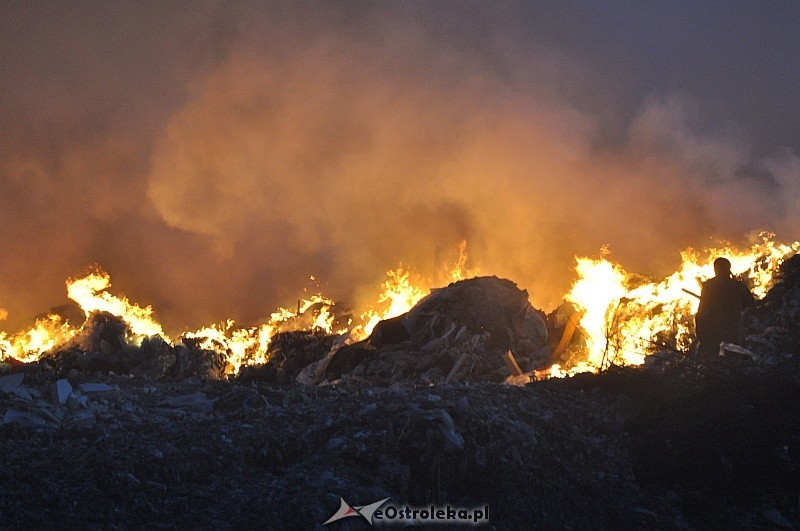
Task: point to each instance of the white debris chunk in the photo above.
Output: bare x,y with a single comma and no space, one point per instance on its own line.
61,391
8,384
96,388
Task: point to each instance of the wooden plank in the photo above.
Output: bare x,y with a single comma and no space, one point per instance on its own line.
512,363
569,331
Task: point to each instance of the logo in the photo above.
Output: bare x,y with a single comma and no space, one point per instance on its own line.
405,515
365,510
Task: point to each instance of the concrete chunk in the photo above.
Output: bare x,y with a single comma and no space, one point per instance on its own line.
96,388
197,401
23,393
8,384
24,419
61,391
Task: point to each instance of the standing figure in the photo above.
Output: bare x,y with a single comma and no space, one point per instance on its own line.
722,300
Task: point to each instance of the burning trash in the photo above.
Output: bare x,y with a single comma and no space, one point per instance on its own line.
457,333
477,328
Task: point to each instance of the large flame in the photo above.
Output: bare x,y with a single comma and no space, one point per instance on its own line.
398,296
29,345
240,345
90,293
625,317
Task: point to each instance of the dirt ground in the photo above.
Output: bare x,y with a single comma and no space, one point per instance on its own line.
700,445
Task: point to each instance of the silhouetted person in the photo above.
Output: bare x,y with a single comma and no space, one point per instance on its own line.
722,300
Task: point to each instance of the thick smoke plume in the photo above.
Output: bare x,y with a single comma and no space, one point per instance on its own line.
213,159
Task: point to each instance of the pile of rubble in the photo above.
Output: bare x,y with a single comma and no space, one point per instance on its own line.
773,325
118,435
101,346
116,451
463,332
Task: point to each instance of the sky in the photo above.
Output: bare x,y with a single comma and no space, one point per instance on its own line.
212,156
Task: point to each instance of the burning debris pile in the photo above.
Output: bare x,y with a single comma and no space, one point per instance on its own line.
614,318
143,424
462,332
102,346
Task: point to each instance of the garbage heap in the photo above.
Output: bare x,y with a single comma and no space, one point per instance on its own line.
470,330
101,346
772,326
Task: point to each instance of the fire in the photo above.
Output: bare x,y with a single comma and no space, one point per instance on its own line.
241,346
250,346
460,270
626,317
90,293
400,294
29,345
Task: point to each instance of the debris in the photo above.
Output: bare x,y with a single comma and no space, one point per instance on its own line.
81,419
27,419
102,347
774,517
8,384
196,401
459,362
512,363
457,333
569,331
61,391
288,354
23,392
97,388
730,348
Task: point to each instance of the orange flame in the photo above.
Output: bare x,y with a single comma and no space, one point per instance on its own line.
626,317
90,293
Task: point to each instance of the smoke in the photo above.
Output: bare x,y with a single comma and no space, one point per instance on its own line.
339,142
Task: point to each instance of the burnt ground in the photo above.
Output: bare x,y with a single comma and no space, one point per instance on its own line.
699,445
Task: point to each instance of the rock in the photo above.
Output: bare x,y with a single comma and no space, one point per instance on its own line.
8,384
28,419
196,401
96,388
61,390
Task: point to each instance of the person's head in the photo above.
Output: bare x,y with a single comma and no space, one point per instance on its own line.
722,267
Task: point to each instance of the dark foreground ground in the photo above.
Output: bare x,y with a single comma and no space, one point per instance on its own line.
701,445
